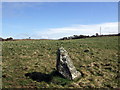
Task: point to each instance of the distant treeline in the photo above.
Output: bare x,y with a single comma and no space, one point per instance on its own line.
7,39
11,39
84,36
64,38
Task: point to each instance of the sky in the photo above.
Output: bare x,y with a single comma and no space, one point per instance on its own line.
54,20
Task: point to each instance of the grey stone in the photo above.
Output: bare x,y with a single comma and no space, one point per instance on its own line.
65,66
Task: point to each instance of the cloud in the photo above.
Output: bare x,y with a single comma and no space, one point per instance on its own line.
78,29
22,36
55,33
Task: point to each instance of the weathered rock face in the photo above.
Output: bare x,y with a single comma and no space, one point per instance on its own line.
65,65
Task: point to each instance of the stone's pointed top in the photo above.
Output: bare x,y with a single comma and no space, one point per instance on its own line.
61,48
62,51
65,66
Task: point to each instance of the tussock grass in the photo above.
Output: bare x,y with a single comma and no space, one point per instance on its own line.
31,64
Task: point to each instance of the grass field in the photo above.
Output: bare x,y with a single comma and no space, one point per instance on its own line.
32,64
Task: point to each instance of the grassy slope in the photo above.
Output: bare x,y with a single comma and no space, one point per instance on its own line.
99,66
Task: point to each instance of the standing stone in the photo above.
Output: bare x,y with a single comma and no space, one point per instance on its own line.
65,66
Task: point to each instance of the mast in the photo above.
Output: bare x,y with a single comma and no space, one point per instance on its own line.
100,30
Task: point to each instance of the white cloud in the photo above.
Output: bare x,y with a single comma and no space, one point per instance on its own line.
55,33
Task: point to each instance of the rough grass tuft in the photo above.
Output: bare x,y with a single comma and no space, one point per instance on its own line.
31,64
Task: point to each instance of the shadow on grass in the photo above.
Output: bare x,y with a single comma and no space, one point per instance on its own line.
38,76
53,77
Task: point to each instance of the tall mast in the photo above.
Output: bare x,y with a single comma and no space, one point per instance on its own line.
100,30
